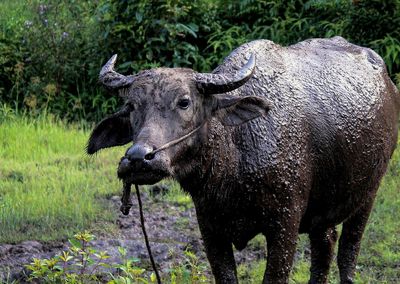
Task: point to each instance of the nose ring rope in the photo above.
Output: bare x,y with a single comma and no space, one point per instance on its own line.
126,197
176,141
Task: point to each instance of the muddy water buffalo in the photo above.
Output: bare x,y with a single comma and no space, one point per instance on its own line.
283,140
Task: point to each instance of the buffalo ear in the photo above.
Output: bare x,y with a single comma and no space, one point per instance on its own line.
233,110
114,130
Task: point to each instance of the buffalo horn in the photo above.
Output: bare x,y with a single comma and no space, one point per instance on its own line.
210,83
111,79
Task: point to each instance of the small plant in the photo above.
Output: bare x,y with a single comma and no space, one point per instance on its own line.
191,270
129,272
81,263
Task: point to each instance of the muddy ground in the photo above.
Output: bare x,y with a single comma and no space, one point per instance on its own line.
172,229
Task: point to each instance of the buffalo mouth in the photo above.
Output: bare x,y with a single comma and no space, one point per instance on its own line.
143,173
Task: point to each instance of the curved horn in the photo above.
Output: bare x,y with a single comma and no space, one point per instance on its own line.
111,79
209,83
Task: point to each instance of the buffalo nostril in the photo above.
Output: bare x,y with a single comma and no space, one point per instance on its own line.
124,162
124,167
149,156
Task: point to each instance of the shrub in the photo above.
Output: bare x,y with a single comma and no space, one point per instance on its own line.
158,33
50,57
49,63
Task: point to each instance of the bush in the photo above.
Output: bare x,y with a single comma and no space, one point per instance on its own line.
158,33
51,63
50,57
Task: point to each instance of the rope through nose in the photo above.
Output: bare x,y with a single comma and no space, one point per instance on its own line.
176,141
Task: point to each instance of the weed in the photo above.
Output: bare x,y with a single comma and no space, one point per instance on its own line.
81,263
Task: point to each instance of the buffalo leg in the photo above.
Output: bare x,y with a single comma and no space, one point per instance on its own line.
218,247
350,240
221,258
322,246
281,245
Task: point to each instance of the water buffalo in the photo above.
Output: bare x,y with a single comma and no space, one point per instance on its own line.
282,141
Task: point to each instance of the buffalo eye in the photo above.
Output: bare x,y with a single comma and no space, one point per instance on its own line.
184,103
131,106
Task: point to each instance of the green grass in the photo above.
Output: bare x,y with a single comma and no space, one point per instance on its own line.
13,14
49,187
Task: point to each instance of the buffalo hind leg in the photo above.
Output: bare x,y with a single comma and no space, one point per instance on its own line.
322,247
350,240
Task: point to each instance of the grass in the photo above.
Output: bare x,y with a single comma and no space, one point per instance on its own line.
50,189
13,15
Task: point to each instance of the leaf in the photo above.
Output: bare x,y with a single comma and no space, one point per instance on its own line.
75,243
193,27
135,259
122,251
183,28
153,277
138,16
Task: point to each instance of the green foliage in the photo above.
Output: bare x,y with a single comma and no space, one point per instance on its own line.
191,270
251,272
56,40
49,60
12,15
157,33
81,263
51,51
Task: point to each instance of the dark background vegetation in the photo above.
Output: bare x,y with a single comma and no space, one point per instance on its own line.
51,54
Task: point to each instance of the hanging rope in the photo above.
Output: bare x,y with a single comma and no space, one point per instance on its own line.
126,197
125,207
145,235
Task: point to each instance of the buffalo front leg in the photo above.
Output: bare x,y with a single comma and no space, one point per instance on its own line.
350,240
222,261
219,251
281,245
322,246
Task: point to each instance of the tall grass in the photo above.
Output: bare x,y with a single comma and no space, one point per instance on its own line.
13,14
49,187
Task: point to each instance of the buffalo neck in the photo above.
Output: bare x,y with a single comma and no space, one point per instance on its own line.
210,170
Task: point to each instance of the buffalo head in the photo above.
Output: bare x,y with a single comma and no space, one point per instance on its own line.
164,104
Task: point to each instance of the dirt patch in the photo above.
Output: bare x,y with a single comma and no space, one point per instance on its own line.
172,229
